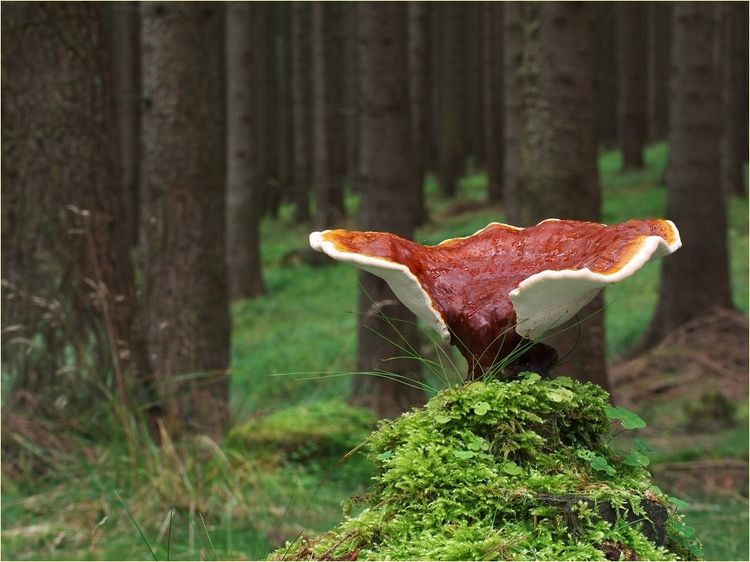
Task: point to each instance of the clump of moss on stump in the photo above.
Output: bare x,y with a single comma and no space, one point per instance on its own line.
515,470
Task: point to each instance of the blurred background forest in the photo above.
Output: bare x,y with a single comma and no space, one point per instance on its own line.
179,369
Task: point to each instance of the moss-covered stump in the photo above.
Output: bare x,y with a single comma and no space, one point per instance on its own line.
505,470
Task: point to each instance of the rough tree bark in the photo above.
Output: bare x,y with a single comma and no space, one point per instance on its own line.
696,278
243,181
329,123
67,272
512,57
659,41
492,70
632,57
451,93
385,168
183,210
419,84
558,153
301,110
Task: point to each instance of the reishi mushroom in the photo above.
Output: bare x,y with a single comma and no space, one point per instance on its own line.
497,293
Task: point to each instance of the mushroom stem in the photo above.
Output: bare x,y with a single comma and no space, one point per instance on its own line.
509,360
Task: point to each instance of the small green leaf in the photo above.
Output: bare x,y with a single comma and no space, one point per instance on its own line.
628,419
601,464
481,408
475,445
636,458
442,419
565,381
559,394
585,454
512,468
678,503
384,456
463,454
530,376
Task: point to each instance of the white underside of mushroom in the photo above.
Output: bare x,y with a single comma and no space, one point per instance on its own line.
541,302
399,277
549,298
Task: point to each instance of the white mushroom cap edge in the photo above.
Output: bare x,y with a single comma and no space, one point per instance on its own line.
400,279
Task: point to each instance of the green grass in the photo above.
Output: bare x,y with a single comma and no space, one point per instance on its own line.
307,322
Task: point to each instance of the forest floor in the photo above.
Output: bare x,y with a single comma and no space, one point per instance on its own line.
282,471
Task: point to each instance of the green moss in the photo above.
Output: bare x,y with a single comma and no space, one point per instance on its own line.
301,433
491,470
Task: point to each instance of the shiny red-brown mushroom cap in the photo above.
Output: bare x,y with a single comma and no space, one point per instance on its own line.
489,291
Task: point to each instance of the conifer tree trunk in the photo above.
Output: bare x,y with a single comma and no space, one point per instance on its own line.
419,75
126,40
659,42
696,278
385,168
351,115
183,210
451,98
606,75
271,106
558,153
243,181
632,58
329,124
286,126
68,278
512,57
473,109
492,62
301,110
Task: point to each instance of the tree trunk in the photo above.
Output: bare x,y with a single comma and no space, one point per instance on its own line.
419,75
283,12
473,109
126,41
558,153
492,63
451,93
301,110
385,168
351,115
329,125
696,278
606,75
632,58
512,107
271,105
183,233
69,282
243,182
659,41
734,58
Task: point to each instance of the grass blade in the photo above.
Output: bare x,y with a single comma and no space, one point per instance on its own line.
145,540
